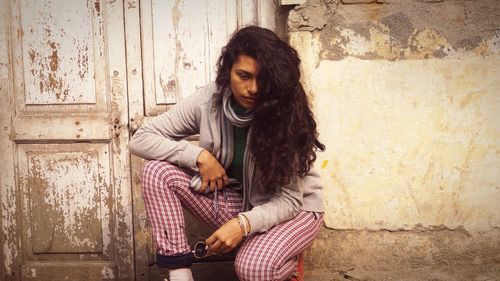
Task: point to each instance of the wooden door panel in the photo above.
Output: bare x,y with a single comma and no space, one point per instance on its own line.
57,45
68,271
181,43
66,201
60,50
74,127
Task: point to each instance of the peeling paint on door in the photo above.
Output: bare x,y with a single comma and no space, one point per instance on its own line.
64,192
58,42
66,198
181,51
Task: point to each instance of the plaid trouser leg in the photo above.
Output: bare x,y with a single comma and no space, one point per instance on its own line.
272,255
165,189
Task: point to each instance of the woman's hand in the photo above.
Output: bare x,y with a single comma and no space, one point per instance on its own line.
224,239
212,173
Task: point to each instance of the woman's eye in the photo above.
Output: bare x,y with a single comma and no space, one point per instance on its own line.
244,76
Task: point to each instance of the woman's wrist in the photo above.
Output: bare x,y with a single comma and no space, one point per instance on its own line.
202,157
244,224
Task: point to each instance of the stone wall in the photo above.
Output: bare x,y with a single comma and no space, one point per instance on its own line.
406,94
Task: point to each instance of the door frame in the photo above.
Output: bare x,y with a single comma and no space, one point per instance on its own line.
8,222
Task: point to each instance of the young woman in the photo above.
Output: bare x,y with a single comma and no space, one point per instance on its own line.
250,177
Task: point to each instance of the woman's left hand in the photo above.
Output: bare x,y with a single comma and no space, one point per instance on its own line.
226,238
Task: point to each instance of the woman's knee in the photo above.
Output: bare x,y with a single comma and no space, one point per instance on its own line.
154,173
159,174
150,170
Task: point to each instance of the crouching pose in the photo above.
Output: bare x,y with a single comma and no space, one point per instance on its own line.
250,177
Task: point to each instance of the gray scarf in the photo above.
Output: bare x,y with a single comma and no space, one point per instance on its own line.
227,118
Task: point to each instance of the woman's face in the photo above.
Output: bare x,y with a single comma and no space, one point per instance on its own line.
244,81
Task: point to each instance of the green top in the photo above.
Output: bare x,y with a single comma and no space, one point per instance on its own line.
240,141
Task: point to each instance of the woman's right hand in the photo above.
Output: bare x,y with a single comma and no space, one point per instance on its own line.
212,173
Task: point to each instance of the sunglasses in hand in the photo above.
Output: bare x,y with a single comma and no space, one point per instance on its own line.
201,250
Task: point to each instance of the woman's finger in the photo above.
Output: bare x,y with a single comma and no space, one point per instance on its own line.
215,247
213,185
210,240
204,184
220,183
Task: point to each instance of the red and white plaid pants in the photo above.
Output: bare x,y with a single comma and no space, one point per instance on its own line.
271,255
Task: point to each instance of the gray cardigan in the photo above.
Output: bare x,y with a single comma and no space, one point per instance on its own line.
162,139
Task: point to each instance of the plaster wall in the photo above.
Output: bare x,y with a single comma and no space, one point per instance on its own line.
411,143
406,95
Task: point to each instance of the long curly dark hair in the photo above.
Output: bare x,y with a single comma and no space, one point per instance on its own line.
284,139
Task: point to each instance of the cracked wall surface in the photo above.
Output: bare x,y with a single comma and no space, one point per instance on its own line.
410,143
406,96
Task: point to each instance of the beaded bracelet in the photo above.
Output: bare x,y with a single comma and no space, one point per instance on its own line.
243,224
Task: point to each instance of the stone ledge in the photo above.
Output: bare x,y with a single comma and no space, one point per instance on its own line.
443,273
383,250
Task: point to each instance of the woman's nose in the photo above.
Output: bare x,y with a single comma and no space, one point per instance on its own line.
252,89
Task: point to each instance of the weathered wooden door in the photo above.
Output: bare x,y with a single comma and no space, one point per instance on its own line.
65,191
172,49
76,76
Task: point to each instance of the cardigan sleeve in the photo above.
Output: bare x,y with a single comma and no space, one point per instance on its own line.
162,137
284,205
